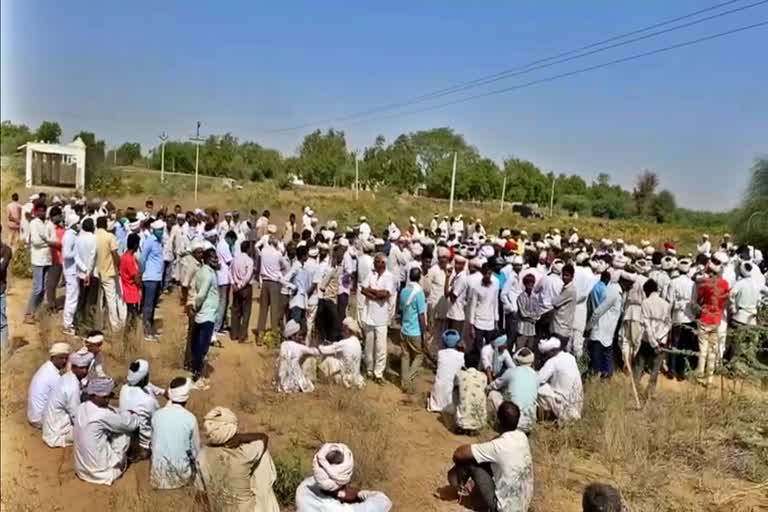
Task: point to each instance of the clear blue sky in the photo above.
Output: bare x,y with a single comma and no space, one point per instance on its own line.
129,70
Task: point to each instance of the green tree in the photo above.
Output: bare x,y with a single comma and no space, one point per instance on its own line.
645,191
526,183
433,147
128,152
323,156
751,220
95,150
48,131
12,136
664,206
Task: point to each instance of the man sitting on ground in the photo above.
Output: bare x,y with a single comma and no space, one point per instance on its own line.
601,498
235,469
101,435
59,415
495,358
44,381
469,400
342,358
518,385
138,396
449,362
560,389
502,469
328,489
290,375
175,439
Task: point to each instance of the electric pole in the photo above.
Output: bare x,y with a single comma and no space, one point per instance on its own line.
197,140
503,191
453,183
163,137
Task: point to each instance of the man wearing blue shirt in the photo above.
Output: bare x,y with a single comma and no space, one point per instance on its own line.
152,260
413,306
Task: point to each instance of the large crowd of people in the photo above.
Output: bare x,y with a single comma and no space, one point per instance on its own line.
507,321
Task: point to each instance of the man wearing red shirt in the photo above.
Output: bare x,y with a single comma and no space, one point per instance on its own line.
130,280
53,278
711,296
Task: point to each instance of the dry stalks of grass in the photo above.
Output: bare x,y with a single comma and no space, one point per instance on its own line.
366,431
674,438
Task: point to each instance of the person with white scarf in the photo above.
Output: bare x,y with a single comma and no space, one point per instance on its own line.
341,362
290,376
59,415
560,389
329,489
101,435
235,469
413,308
43,382
175,439
138,396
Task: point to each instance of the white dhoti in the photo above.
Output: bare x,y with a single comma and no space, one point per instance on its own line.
555,402
109,288
631,338
71,294
576,343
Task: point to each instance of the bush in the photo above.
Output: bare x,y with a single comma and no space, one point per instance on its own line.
290,474
21,265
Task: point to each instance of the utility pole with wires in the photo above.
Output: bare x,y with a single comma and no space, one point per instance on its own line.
503,191
453,182
197,140
163,137
357,178
552,196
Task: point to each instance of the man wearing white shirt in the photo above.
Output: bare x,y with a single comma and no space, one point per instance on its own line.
72,287
457,292
85,263
483,308
271,273
546,291
41,239
679,296
101,435
44,381
224,278
138,396
745,296
364,229
602,326
379,291
560,387
364,269
437,303
583,280
59,415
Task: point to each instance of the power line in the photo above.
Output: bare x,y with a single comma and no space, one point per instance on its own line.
538,64
571,73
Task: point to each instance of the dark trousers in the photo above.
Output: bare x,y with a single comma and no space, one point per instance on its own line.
683,338
649,360
201,342
188,348
600,358
327,321
543,325
241,313
457,325
132,312
167,271
482,338
270,299
52,280
510,328
342,301
482,475
299,316
86,305
150,295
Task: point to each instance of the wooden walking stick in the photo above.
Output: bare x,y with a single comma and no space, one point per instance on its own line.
632,380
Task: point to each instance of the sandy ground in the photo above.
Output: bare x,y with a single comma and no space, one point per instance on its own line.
416,453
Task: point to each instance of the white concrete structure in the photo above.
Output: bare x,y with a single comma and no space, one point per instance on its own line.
55,165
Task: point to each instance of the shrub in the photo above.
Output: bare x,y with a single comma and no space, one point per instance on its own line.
290,473
20,264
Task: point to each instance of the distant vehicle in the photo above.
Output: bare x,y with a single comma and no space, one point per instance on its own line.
527,211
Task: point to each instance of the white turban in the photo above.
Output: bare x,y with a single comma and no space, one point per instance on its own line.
271,229
291,328
487,251
181,393
72,219
557,266
417,249
443,252
343,242
476,263
100,386
684,265
394,234
81,359
649,251
220,425
95,338
158,224
745,269
721,257
135,225
351,324
668,263
517,260
582,257
134,377
313,252
60,349
549,345
332,477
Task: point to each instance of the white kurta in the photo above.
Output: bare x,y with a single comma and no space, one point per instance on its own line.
143,403
290,376
342,363
560,388
60,411
484,305
101,438
512,466
449,362
40,388
547,291
310,498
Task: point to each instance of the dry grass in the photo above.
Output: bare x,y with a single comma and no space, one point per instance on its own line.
678,438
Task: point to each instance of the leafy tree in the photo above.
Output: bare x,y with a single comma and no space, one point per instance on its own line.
12,136
664,206
128,152
575,204
645,191
433,147
322,156
48,131
95,150
751,219
526,183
